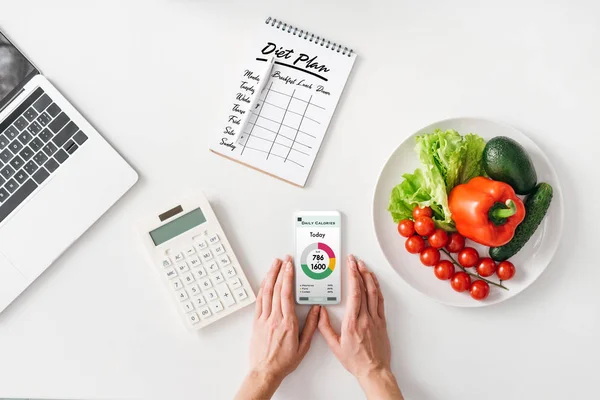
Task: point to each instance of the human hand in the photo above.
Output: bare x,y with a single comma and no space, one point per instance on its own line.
277,347
363,347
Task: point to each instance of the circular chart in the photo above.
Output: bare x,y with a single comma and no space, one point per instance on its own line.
317,260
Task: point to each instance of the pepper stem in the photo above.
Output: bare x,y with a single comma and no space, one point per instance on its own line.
500,213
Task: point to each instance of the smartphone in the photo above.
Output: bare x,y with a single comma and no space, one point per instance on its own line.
318,251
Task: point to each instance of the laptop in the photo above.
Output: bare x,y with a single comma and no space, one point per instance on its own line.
57,174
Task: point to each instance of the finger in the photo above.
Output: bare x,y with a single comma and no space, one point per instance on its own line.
276,307
267,295
310,326
258,305
381,307
354,292
287,292
364,312
371,289
331,337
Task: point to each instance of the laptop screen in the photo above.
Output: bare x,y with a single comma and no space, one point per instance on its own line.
15,69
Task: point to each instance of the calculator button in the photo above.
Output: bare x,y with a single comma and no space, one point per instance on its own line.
200,272
182,267
194,289
235,283
194,261
213,239
225,295
182,295
211,295
212,267
199,301
217,278
171,273
166,262
178,257
176,284
230,272
206,255
241,294
193,318
188,278
219,250
190,251
216,306
205,284
205,313
187,306
201,244
224,260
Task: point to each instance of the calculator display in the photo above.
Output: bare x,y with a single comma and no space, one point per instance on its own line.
177,226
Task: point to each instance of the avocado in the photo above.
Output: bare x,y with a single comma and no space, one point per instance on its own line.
505,160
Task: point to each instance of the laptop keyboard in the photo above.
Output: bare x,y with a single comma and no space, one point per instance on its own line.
35,140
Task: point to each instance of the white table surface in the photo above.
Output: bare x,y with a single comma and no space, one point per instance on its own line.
151,74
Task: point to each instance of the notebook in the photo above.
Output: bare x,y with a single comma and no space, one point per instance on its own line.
288,123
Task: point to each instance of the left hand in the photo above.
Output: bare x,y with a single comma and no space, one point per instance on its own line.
277,347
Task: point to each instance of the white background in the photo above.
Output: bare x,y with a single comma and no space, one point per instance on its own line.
153,76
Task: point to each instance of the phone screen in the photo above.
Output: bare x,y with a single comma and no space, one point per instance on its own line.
318,271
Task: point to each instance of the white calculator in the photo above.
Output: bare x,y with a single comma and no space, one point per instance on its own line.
189,250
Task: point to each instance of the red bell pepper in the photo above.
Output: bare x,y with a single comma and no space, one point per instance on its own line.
486,211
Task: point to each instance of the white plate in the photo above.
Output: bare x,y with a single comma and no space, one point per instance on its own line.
530,262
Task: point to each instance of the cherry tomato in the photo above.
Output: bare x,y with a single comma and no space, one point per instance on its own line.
480,290
424,226
460,281
468,257
430,256
422,212
444,270
486,267
415,244
406,228
505,270
456,242
438,239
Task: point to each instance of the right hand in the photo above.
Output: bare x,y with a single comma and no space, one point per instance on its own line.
363,347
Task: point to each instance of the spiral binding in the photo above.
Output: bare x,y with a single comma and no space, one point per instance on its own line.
278,24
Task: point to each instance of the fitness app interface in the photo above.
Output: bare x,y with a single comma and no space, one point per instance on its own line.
317,257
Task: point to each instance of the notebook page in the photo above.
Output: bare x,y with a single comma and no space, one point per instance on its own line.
290,119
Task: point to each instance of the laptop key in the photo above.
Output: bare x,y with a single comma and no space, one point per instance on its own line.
3,141
2,180
40,176
61,156
36,144
51,165
34,128
11,132
30,167
64,135
15,146
40,158
60,121
30,114
80,138
26,153
25,137
7,172
53,110
21,176
21,123
3,195
6,155
44,119
50,149
17,198
43,102
71,147
17,162
46,135
11,185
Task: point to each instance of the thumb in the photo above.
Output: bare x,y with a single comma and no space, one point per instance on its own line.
331,337
310,326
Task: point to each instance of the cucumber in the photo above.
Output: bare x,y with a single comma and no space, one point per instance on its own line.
536,207
505,160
